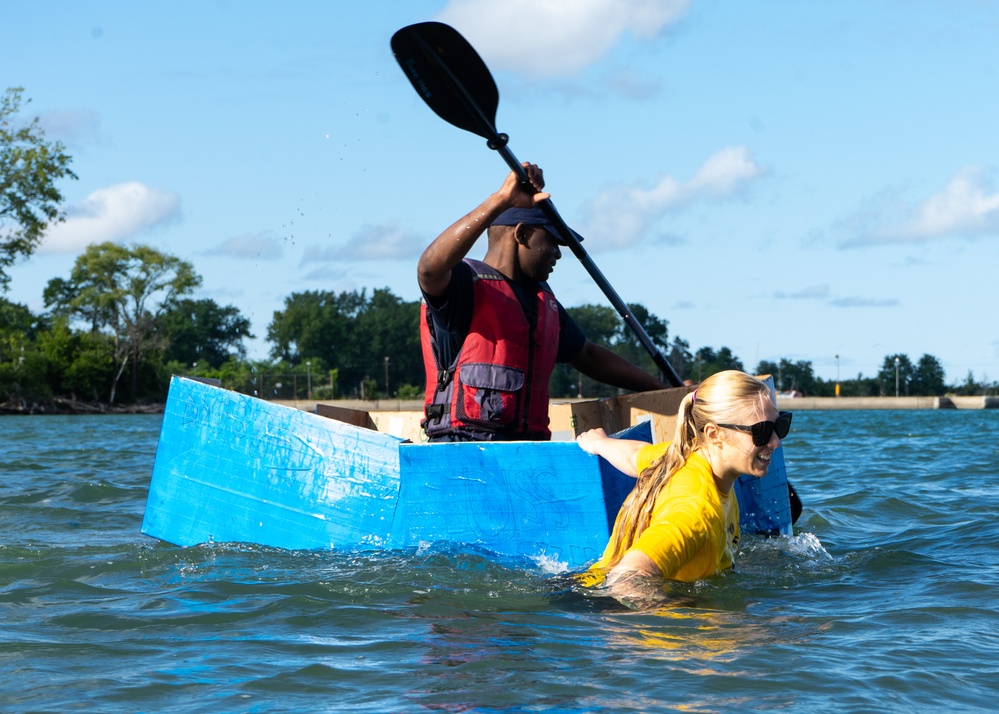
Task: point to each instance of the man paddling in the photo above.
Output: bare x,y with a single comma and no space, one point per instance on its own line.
492,331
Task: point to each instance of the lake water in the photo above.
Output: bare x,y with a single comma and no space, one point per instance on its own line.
885,599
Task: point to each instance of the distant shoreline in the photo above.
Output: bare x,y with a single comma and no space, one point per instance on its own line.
843,403
789,403
67,406
59,406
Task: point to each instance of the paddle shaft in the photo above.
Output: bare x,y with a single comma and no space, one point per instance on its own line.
498,142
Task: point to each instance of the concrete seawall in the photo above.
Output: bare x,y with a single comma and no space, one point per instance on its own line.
788,403
833,403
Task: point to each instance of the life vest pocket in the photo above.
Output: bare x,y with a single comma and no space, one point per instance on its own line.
489,393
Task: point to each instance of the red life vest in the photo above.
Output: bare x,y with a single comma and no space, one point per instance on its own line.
499,381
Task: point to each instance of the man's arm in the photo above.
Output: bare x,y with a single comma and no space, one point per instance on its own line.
604,366
449,248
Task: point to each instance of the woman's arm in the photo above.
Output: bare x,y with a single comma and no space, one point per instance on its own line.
622,454
636,581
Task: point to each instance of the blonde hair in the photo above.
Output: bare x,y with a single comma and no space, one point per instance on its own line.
722,397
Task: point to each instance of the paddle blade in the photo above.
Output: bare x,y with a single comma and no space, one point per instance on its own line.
450,76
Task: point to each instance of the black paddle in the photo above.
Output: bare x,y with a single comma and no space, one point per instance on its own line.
454,81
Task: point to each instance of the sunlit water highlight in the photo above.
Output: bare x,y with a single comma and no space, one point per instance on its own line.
885,599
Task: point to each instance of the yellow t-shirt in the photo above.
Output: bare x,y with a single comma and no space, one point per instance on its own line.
694,529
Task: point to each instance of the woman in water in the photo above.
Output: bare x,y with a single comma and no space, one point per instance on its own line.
681,520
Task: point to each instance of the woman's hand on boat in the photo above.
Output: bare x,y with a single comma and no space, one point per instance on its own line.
622,454
589,440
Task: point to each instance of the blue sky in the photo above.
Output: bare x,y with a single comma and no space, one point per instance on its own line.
790,180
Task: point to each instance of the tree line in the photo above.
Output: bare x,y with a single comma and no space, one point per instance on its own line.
124,320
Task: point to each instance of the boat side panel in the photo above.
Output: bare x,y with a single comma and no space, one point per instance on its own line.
533,499
764,504
232,468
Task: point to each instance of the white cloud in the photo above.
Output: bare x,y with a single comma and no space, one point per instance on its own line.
387,241
553,37
962,208
115,214
863,302
250,246
965,208
724,174
812,292
625,215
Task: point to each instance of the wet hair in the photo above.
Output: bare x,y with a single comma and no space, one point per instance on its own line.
724,397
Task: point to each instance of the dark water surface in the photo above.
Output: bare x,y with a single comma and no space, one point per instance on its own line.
885,599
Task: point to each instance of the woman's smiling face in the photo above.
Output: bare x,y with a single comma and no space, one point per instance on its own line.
739,453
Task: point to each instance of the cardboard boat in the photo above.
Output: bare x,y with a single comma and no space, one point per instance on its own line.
235,468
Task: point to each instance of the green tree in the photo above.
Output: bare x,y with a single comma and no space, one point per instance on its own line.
201,331
29,169
79,363
353,335
681,358
791,376
602,325
891,375
15,317
928,377
599,323
318,323
41,358
627,344
16,327
121,292
860,386
389,332
24,378
708,362
969,387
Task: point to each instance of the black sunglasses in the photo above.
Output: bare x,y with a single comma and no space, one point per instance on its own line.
762,430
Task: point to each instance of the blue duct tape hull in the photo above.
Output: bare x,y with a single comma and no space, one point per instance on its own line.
529,499
232,468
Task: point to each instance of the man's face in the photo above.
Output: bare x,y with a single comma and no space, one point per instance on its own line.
539,254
